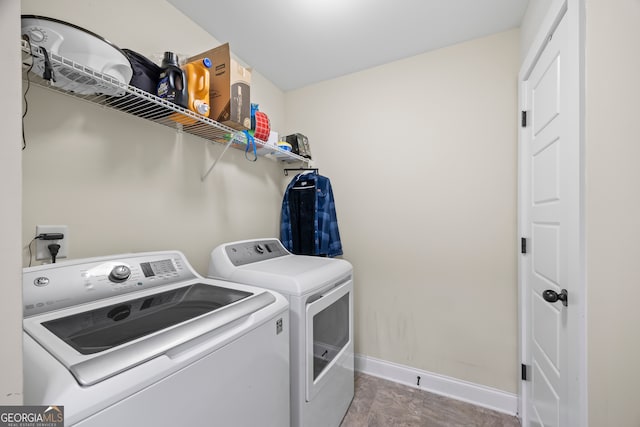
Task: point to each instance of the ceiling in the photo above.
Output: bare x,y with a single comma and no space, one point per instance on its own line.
295,43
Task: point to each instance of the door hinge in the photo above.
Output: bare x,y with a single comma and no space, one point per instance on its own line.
524,119
523,245
523,372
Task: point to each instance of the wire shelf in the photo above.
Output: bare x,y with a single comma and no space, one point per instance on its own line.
137,102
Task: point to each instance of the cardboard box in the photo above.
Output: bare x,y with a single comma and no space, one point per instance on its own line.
229,88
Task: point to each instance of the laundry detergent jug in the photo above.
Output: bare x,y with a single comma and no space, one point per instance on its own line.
172,84
197,75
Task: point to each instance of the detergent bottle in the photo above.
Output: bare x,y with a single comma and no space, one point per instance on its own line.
172,85
197,75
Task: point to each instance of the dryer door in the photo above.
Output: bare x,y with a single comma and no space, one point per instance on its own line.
329,334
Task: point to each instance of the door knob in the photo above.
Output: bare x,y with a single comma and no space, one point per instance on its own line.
552,296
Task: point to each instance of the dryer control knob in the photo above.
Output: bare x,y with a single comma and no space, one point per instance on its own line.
260,248
120,273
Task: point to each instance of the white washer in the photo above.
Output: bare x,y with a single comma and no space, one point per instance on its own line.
320,294
142,339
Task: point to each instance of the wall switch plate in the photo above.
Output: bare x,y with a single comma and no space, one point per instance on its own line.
42,250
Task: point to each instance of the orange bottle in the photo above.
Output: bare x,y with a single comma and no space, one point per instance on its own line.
197,76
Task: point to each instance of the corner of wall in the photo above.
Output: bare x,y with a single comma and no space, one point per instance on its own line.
10,214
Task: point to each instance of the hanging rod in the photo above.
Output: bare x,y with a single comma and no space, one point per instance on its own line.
287,170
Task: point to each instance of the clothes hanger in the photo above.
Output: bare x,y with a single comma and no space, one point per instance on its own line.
304,181
308,170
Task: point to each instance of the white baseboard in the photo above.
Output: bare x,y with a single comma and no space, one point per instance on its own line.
465,391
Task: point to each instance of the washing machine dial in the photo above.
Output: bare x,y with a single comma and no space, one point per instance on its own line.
260,248
36,35
119,273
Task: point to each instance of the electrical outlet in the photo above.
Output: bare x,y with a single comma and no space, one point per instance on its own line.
42,250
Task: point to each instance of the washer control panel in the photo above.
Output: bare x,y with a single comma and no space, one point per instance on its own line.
56,286
119,273
248,252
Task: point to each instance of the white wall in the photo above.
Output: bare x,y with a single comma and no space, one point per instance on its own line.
422,157
10,194
122,184
613,210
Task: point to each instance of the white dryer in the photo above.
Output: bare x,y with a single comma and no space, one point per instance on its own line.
320,294
143,340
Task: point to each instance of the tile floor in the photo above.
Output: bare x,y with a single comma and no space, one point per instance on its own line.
381,403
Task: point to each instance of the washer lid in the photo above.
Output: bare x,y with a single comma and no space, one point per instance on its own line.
107,327
101,342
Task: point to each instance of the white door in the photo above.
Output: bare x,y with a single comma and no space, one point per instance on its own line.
550,216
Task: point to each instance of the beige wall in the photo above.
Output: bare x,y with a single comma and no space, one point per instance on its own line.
613,210
422,157
10,190
122,184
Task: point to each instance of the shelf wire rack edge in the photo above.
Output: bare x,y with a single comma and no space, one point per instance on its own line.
131,100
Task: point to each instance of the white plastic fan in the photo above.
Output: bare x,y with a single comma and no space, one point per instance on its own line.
82,47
